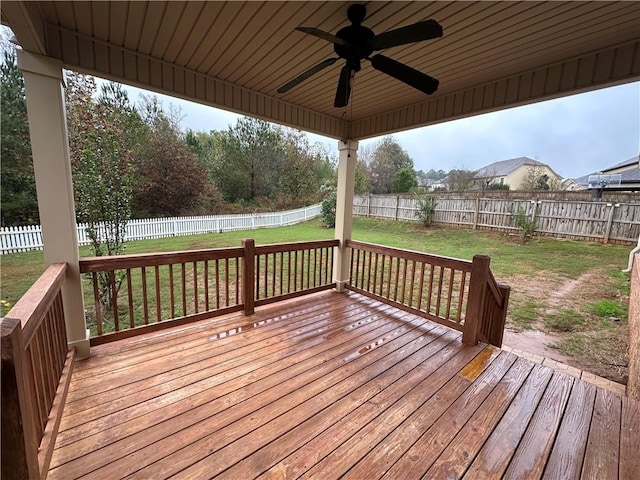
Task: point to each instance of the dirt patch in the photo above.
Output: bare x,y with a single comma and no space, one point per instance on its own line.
536,341
593,343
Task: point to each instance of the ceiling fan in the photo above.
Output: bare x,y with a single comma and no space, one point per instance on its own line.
356,42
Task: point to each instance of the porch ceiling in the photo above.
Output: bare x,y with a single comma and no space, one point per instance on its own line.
234,55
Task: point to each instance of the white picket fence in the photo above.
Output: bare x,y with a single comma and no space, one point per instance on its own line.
26,238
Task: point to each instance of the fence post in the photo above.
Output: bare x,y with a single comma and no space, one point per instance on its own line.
397,206
19,444
534,202
475,303
607,232
368,206
248,275
476,213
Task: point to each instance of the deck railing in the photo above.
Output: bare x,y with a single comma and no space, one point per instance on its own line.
134,294
460,294
36,367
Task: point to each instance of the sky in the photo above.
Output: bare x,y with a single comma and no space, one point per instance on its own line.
574,135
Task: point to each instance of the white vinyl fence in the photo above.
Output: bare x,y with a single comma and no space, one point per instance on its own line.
26,238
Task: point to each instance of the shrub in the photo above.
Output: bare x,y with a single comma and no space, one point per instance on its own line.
328,210
498,186
526,225
426,209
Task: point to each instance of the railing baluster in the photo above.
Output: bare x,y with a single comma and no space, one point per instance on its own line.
389,276
173,296
412,283
237,280
439,296
195,287
430,289
145,300
130,299
158,300
404,279
114,300
452,273
183,269
206,285
98,306
281,271
288,272
295,271
273,276
384,258
217,284
461,296
395,289
421,286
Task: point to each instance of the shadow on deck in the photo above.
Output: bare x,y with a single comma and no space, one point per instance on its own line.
336,385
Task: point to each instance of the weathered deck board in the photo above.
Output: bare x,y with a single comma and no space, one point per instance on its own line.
335,385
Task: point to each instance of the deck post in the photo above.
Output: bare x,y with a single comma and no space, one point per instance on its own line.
54,187
248,275
344,210
475,303
19,444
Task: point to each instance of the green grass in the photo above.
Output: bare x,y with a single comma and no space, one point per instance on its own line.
609,308
565,320
524,313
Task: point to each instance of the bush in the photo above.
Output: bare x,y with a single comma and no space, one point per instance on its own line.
498,186
526,225
426,209
328,210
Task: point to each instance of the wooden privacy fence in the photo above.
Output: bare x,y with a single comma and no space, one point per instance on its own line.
598,221
460,294
36,368
29,237
134,294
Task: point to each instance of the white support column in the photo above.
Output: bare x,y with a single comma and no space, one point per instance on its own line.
344,209
52,166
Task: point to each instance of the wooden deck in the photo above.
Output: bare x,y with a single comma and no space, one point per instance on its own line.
330,386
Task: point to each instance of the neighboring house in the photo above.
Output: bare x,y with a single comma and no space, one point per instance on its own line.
516,172
629,172
569,184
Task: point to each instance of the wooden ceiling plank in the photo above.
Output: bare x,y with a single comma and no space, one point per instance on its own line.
100,19
185,26
242,43
268,41
135,22
66,15
84,17
198,33
118,22
167,29
229,11
297,45
152,20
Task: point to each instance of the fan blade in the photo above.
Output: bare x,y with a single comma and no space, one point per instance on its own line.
323,35
303,76
344,88
405,74
411,33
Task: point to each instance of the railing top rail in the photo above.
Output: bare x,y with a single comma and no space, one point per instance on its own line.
292,246
493,286
450,262
115,262
33,305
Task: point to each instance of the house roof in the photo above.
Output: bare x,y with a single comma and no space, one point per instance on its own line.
505,167
629,175
235,55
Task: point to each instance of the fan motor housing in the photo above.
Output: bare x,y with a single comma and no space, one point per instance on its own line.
358,38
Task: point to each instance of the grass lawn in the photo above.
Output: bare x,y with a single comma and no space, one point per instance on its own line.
570,288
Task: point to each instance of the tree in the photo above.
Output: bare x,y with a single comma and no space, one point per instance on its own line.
102,135
537,178
404,180
18,197
460,179
171,181
388,158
